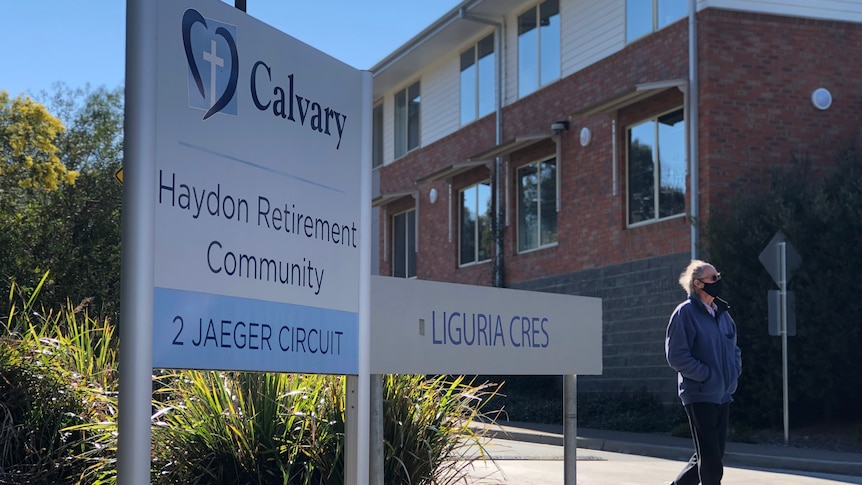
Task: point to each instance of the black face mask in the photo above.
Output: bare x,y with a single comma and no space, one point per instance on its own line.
713,289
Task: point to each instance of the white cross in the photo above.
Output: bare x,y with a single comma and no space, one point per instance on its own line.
214,61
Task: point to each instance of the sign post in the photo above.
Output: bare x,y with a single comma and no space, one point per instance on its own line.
781,260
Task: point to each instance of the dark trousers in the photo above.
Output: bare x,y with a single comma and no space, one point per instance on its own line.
709,431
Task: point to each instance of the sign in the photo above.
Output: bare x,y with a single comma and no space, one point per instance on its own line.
770,258
427,327
775,310
257,197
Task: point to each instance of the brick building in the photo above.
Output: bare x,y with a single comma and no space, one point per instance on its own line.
551,145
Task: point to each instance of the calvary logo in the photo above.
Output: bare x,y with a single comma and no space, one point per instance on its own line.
213,63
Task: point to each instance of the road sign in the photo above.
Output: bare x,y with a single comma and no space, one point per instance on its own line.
781,260
771,259
429,327
775,309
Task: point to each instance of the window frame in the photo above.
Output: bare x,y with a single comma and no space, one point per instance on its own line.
655,17
518,205
409,249
477,240
479,65
407,119
656,169
540,55
377,136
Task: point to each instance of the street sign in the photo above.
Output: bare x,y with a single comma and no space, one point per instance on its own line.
771,259
430,327
775,309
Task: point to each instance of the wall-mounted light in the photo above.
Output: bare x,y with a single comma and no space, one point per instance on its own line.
558,127
432,195
821,98
586,136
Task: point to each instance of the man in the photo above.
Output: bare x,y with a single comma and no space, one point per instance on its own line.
701,347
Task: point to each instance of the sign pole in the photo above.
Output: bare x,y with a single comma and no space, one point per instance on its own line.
136,277
782,283
570,432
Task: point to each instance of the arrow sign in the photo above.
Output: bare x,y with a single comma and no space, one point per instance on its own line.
770,258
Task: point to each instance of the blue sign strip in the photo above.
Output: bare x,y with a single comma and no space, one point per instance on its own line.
193,330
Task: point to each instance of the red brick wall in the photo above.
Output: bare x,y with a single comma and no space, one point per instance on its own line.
757,73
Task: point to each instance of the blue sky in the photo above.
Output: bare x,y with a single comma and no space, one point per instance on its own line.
83,41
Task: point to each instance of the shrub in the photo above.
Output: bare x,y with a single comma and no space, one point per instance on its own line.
232,427
821,214
56,373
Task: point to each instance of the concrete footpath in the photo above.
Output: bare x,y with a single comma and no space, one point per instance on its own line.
527,453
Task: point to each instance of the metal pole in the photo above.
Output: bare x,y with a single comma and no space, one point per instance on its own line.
376,433
570,429
136,278
240,5
782,251
692,122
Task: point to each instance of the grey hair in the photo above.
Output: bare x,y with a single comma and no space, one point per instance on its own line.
693,271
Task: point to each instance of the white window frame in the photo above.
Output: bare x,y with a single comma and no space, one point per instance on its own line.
479,97
538,54
554,193
656,183
476,238
403,121
377,136
657,22
408,248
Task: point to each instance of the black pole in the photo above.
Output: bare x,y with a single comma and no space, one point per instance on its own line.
240,4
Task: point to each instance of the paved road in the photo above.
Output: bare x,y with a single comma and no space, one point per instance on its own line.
524,463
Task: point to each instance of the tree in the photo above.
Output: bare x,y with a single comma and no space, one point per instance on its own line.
28,156
821,214
73,230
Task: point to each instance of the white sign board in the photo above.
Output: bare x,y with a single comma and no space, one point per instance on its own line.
257,197
427,327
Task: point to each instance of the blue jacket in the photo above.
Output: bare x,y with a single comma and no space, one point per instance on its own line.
703,350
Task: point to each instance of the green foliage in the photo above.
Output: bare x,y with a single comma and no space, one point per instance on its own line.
248,428
73,231
233,427
821,214
426,423
56,373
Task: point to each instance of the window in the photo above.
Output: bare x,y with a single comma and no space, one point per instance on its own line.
646,16
377,136
657,168
407,120
538,47
537,204
404,244
477,80
475,237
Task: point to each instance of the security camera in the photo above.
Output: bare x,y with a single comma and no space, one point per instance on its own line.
558,127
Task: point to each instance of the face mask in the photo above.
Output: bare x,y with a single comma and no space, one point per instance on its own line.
713,289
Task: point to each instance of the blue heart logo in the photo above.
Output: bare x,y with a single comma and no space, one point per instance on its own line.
201,46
